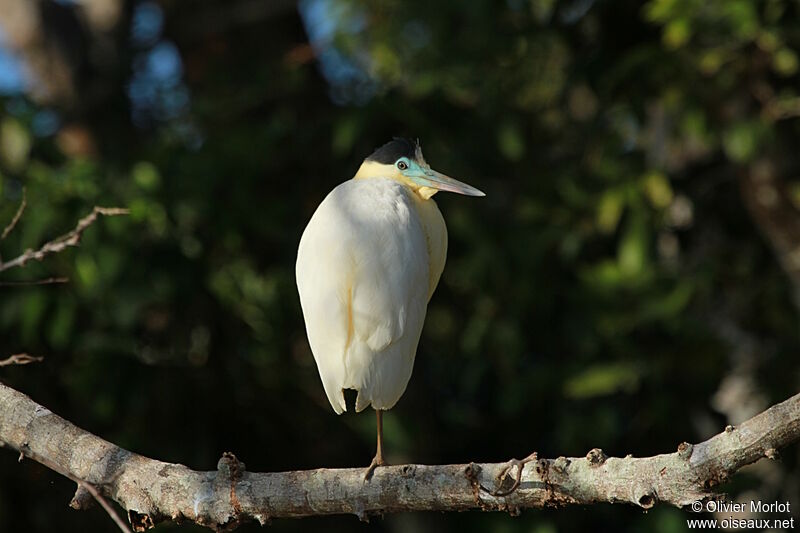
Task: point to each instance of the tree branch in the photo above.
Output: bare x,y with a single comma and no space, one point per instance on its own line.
61,243
152,491
33,282
20,359
105,505
21,209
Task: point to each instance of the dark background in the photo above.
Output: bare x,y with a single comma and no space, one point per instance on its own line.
630,281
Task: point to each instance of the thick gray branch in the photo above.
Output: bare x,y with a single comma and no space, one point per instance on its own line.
152,491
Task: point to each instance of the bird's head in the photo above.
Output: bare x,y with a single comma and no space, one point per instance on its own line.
401,160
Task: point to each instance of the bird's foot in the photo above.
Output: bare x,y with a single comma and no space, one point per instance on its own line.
376,462
520,464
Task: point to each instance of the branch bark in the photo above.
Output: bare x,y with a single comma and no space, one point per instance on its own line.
152,491
20,359
21,209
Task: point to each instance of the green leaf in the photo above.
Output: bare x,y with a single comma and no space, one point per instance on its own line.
785,62
62,323
660,10
677,33
32,311
632,250
657,189
88,272
146,175
609,210
542,10
15,144
510,141
345,133
741,141
602,380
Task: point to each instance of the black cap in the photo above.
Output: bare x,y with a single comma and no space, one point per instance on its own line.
394,150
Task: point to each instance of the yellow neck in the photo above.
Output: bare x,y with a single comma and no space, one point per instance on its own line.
373,169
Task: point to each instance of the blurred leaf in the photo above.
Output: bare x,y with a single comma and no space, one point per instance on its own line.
61,325
768,41
632,252
657,189
710,61
669,305
743,18
609,210
146,175
87,270
793,188
32,312
345,134
602,380
785,62
510,141
151,212
604,275
15,144
741,141
677,33
542,9
661,10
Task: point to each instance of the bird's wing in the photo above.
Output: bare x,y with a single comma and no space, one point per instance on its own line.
324,277
362,267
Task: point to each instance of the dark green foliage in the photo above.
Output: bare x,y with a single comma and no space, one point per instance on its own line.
597,297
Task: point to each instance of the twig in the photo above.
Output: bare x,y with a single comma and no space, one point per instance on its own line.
102,501
26,451
69,239
25,283
20,359
17,216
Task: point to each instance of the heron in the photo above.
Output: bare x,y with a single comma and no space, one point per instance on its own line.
368,262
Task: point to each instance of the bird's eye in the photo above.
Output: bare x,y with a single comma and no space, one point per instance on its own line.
402,165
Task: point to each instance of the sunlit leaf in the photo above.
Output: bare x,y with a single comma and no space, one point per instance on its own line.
657,189
785,62
677,33
741,141
602,380
609,210
15,144
632,252
146,175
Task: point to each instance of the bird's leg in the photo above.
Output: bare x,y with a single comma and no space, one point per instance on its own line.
520,464
378,459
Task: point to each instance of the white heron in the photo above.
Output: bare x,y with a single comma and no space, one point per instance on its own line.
368,262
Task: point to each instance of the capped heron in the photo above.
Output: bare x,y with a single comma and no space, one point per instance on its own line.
368,262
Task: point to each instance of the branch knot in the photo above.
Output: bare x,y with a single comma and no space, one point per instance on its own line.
596,457
233,469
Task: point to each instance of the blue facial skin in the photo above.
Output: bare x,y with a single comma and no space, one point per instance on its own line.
427,177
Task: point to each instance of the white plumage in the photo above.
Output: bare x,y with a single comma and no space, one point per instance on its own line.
368,262
367,273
